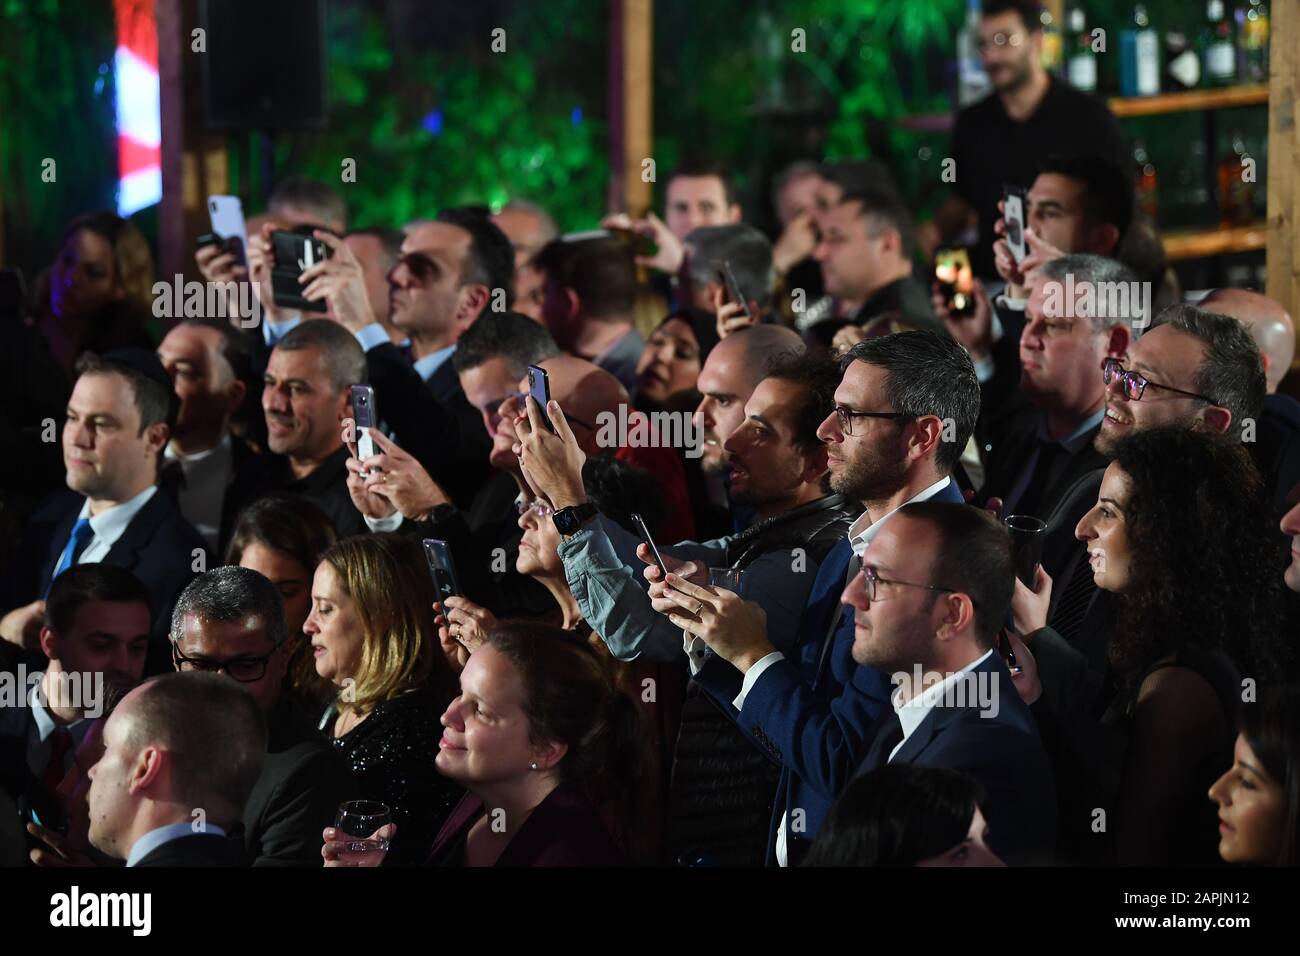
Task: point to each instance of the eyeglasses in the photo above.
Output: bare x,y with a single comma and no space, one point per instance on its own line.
1135,383
846,416
537,506
521,398
873,579
1001,39
421,267
246,670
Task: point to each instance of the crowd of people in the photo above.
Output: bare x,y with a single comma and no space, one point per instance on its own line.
793,634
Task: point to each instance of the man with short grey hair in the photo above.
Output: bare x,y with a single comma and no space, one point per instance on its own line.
745,249
306,397
231,621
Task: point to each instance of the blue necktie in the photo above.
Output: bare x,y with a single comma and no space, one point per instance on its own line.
77,541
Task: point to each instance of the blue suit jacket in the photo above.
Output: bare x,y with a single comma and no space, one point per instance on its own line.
159,547
999,748
812,715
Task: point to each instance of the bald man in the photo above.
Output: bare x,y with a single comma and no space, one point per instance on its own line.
1276,444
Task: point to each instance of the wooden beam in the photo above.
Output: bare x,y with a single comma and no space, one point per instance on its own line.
1283,254
631,104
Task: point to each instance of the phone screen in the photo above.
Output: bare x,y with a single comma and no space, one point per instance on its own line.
539,387
956,281
295,253
226,214
1013,216
365,417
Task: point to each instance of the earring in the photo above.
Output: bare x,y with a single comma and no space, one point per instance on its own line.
533,765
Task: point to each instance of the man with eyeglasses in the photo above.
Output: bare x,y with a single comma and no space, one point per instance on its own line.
231,621
927,605
904,409
1036,453
1004,138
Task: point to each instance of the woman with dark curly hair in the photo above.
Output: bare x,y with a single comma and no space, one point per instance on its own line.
1182,535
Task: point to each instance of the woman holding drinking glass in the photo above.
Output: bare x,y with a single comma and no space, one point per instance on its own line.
373,637
1182,535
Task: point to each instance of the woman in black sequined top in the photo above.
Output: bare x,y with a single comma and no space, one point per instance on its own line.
372,634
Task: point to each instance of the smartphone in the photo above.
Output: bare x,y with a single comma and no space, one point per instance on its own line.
442,568
226,213
649,543
640,244
1013,216
295,253
539,387
952,272
728,280
365,417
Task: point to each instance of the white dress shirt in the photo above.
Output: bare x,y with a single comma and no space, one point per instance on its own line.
110,525
914,711
166,834
207,475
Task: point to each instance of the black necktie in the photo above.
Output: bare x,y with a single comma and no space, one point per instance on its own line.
1031,503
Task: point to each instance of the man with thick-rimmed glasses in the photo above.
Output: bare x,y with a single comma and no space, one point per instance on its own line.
230,621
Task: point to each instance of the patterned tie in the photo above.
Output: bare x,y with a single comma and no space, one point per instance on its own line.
60,744
77,541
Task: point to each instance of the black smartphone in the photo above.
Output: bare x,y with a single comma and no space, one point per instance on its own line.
295,253
539,387
956,281
442,568
1014,201
364,417
649,543
731,287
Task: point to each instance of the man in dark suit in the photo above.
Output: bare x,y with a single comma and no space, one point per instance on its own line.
1036,456
933,592
182,753
95,636
119,418
450,272
208,361
306,397
905,408
231,620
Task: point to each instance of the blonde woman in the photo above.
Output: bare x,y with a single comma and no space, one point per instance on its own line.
373,637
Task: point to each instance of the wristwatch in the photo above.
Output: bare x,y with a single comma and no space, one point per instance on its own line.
569,520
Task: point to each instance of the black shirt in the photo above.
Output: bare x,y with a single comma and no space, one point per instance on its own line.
991,149
326,487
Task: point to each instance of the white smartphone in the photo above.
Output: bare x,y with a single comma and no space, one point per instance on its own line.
227,216
1013,216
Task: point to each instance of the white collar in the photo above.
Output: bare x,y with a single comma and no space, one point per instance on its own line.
220,449
863,531
166,834
912,713
112,524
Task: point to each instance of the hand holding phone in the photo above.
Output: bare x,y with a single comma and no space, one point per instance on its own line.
446,583
728,280
649,543
365,417
952,271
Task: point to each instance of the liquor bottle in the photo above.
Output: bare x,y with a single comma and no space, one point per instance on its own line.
1217,47
972,81
1252,39
1236,190
1182,62
1139,57
1145,180
1081,61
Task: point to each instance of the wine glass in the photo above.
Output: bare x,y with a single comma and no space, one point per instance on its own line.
358,821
